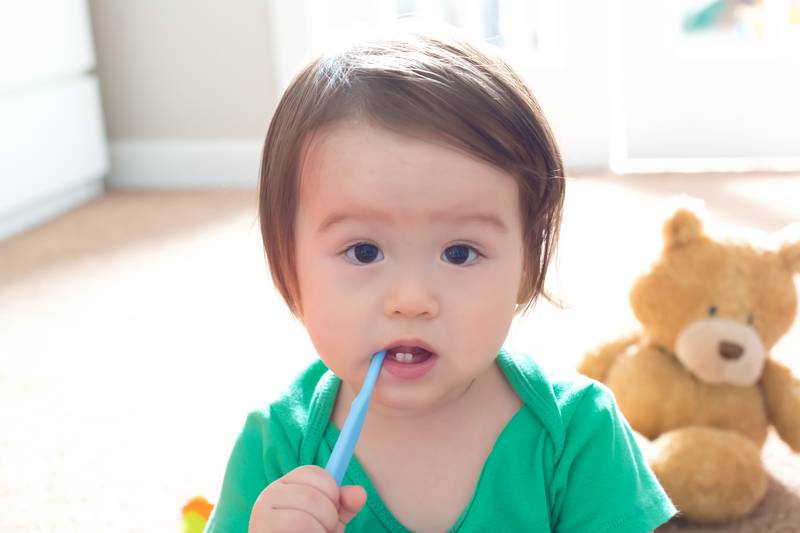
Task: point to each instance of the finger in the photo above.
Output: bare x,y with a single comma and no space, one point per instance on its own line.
316,477
299,497
352,499
296,520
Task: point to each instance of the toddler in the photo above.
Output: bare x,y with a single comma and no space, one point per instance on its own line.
410,199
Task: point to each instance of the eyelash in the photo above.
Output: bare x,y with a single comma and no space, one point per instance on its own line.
356,262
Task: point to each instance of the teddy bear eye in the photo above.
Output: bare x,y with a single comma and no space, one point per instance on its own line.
751,319
712,311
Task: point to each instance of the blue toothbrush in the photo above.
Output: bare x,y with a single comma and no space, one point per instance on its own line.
346,443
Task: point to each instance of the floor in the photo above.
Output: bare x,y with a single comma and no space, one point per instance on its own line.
138,330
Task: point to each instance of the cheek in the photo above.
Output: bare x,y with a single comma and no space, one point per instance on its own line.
483,309
331,310
329,326
313,273
500,287
328,289
321,296
484,299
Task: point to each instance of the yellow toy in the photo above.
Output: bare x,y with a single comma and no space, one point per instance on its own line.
697,383
195,515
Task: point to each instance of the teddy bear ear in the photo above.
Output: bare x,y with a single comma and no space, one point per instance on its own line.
683,227
790,247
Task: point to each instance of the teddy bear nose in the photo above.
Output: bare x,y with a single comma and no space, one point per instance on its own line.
730,350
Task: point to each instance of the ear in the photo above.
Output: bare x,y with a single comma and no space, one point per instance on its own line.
683,227
790,248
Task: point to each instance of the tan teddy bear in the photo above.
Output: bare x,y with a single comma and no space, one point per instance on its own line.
698,382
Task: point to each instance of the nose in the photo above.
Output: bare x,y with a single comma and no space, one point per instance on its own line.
730,350
411,299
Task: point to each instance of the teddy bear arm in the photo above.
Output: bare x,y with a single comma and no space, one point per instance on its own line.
596,363
781,390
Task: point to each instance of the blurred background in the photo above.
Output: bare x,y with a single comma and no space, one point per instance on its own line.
138,323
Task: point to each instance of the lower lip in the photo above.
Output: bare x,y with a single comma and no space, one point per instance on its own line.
409,370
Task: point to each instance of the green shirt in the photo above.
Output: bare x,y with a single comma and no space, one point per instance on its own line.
567,460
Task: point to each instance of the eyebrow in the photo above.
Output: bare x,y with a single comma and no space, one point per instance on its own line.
483,218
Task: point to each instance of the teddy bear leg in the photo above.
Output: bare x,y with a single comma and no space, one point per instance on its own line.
712,475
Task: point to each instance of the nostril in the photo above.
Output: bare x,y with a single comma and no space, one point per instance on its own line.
730,350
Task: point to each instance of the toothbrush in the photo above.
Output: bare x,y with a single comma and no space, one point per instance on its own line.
346,443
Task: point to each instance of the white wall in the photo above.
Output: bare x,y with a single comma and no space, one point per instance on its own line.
187,89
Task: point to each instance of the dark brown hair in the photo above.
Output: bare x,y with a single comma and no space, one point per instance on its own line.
442,87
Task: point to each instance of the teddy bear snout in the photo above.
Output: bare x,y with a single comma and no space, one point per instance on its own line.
719,350
730,350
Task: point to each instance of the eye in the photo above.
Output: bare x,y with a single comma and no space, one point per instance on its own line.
363,253
751,319
459,254
712,311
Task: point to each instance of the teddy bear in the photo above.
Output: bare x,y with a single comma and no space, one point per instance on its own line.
697,383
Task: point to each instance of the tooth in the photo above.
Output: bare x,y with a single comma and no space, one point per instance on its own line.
404,357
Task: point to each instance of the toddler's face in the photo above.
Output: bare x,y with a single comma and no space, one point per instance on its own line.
387,252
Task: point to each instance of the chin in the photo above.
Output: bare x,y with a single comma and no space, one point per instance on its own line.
410,399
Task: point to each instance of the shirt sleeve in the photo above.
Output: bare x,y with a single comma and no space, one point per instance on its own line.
601,481
250,469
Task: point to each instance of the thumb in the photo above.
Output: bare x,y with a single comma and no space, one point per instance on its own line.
351,500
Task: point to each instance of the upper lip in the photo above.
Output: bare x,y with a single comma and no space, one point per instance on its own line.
409,343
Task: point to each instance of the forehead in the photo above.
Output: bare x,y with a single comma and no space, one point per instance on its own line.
355,164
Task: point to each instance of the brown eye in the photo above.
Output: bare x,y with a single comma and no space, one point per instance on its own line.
750,319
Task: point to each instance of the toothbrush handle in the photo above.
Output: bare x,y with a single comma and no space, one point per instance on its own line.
346,443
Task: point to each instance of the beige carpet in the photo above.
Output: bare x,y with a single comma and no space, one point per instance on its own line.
138,330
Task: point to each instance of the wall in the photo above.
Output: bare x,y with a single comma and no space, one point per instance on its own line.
187,89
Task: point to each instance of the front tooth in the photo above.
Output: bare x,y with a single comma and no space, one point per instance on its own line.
404,357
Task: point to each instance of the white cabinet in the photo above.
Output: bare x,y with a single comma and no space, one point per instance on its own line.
53,150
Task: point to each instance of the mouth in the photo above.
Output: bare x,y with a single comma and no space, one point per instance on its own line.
409,351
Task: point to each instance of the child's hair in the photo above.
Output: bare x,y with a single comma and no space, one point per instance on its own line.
438,87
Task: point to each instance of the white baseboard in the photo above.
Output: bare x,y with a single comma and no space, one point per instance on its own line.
47,208
185,164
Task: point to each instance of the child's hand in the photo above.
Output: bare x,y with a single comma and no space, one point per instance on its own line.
306,500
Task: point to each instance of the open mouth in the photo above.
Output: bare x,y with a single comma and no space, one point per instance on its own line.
408,354
408,360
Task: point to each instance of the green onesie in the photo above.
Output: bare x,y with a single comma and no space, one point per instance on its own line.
567,460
